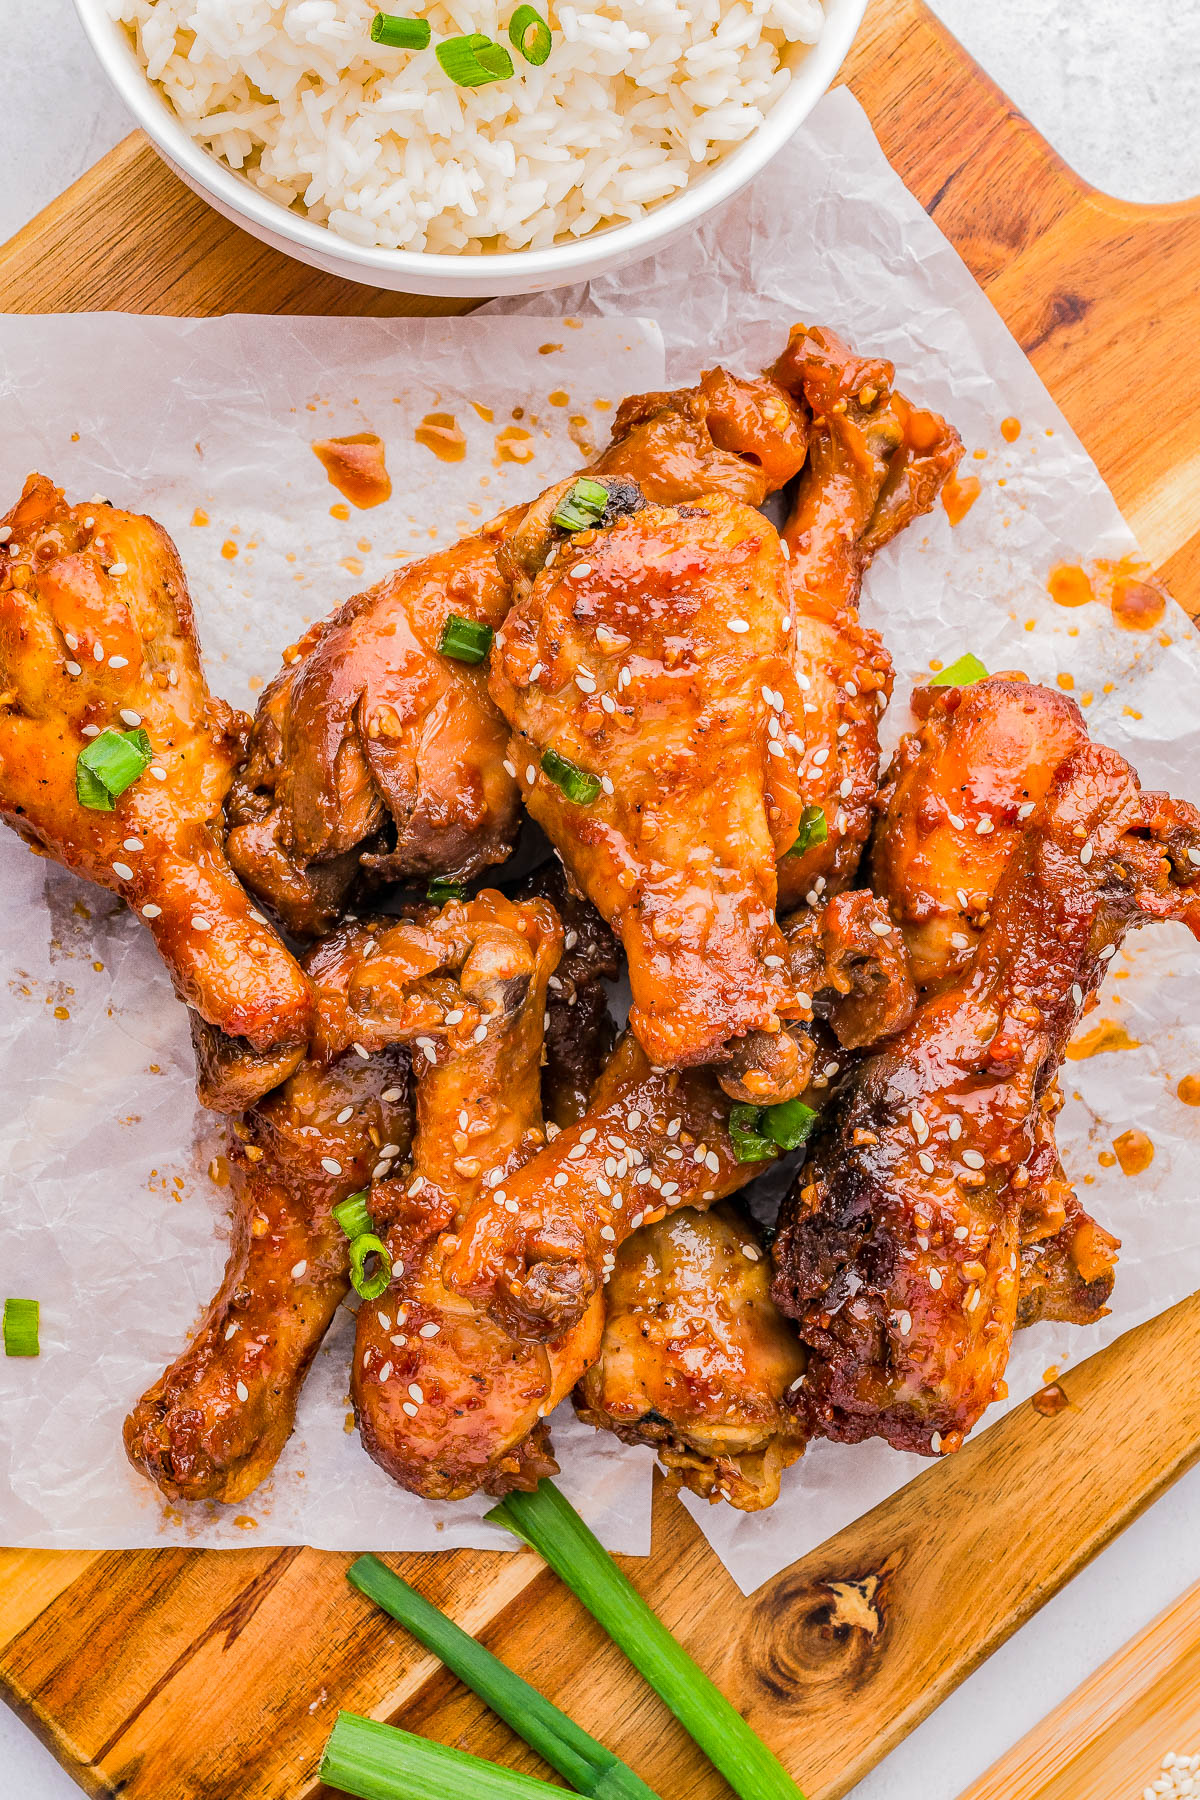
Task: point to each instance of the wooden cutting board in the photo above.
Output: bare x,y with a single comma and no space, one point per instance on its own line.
181,1675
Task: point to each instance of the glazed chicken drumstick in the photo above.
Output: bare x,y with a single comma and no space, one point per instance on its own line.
97,646
376,750
213,1425
899,1250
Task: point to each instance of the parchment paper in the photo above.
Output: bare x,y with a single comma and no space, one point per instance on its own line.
828,235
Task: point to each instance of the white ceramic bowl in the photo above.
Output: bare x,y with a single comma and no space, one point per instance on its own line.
468,277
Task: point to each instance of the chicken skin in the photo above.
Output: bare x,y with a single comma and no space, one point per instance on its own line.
213,1425
634,677
375,753
446,1401
697,1360
955,802
97,639
900,1247
875,463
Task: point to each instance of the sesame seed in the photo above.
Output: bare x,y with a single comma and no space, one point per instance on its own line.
608,1234
803,682
391,1095
561,1179
381,1169
958,824
920,1128
846,788
73,668
230,1330
961,1233
935,1443
973,1301
415,1393
397,1270
360,1050
429,1331
398,1338
785,550
1023,812
415,1185
935,1278
385,1323
385,1372
123,870
608,703
512,1206
905,1323
775,748
410,1409
588,1136
331,1165
131,718
132,843
243,1392
633,1120
530,773
537,669
454,1017
984,827
585,684
150,911
712,1161
117,568
954,1130
737,625
200,923
1085,855
1077,993
479,1033
347,1112
926,1161
1109,951
581,570
1194,856
973,1159
90,731
98,653
960,940
606,784
673,1127
5,533
667,1188
158,772
510,769
820,757
299,1268
750,1253
881,927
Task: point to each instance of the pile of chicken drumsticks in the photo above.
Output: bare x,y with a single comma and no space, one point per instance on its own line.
684,701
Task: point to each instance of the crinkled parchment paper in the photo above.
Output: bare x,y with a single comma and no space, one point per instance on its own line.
122,1258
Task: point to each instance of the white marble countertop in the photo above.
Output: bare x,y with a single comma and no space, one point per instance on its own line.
1112,86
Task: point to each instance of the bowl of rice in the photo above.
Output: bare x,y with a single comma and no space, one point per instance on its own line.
469,147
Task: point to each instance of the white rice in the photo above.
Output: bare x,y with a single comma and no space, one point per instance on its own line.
635,99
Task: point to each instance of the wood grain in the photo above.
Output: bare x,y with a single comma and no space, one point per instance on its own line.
216,1675
1111,1734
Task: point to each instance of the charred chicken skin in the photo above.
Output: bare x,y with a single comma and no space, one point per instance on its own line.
96,633
447,1402
213,1425
697,1360
900,1247
875,463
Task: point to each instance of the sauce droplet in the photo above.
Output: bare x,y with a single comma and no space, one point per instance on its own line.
199,517
485,412
1105,1036
958,497
559,397
440,432
1137,605
1069,585
1010,430
1050,1400
514,444
1134,1152
229,549
356,467
1189,1090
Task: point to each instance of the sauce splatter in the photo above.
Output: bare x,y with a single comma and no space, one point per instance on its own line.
548,349
485,412
199,517
579,431
1137,605
1101,1039
1134,1152
514,444
1010,430
356,467
1050,1400
559,397
1189,1090
229,549
958,497
1069,585
1066,682
339,510
441,433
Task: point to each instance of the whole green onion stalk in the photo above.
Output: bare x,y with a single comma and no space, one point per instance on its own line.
380,1762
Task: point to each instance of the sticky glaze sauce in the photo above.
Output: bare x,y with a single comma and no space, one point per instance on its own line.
1050,1400
1189,1090
959,496
1134,1151
1010,430
1126,587
441,433
1102,1038
356,467
514,444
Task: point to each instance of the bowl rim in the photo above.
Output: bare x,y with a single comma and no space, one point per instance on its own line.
590,254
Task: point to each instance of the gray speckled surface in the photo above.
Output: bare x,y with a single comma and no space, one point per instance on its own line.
1112,86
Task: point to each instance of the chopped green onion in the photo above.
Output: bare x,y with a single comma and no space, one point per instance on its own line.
439,891
547,1522
760,1132
464,640
814,829
962,673
369,1286
21,1328
352,1215
473,61
586,1764
400,34
789,1124
535,50
584,505
108,765
575,782
750,1143
381,1762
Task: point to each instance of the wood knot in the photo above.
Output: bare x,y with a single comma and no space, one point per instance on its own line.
809,1633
